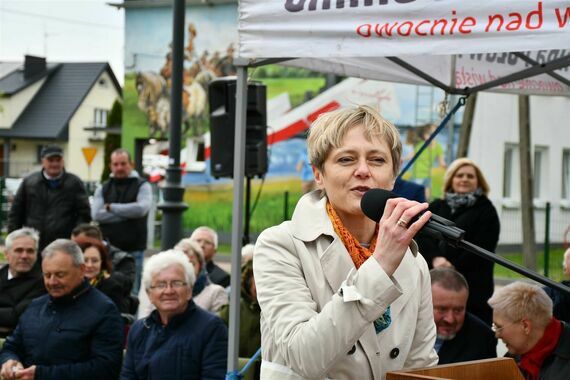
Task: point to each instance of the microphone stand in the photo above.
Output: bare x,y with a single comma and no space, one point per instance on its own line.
445,230
512,266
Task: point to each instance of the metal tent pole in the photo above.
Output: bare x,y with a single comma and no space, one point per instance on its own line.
237,214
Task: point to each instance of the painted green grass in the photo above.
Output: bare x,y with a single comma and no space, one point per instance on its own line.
213,206
296,87
134,120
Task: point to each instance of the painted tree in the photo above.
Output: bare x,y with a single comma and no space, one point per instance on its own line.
112,140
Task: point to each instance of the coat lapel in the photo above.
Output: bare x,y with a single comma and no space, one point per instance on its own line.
336,263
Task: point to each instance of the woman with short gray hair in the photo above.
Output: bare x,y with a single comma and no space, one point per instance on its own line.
540,343
178,340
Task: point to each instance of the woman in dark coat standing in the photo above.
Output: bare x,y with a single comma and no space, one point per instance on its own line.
465,202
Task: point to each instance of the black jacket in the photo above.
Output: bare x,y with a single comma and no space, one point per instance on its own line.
113,287
123,263
78,336
474,341
54,212
557,365
482,227
561,302
217,275
16,295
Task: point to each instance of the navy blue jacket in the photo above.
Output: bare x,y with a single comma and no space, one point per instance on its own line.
193,345
409,190
78,336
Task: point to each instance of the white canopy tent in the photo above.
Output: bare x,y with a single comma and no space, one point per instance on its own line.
449,44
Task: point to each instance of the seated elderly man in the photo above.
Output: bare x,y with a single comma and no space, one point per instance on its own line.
73,332
20,280
178,340
461,336
540,343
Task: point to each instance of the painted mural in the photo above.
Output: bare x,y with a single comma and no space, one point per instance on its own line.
295,98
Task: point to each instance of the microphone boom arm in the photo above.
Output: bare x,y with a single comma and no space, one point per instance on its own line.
512,266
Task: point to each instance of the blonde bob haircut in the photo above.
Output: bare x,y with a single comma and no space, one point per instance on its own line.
520,300
329,129
458,164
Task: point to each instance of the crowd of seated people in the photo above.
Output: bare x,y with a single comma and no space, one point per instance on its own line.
85,292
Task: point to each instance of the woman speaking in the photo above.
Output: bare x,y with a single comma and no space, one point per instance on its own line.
342,296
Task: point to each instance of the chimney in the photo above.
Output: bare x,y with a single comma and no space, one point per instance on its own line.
33,66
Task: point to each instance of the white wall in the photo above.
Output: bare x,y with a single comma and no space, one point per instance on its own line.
101,96
495,124
13,106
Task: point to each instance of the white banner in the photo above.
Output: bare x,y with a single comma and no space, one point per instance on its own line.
376,28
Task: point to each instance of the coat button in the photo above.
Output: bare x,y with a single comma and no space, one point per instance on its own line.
394,353
352,350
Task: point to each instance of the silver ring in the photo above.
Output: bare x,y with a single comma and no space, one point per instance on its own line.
402,223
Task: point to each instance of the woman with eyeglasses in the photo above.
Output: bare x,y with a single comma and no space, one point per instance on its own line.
205,293
540,343
178,340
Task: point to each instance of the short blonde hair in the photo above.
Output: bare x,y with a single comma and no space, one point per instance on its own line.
458,164
520,300
329,129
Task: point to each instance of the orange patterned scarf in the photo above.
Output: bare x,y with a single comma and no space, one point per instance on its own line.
358,253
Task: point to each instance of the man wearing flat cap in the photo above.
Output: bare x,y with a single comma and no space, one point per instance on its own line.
51,200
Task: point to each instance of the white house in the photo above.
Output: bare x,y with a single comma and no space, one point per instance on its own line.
494,145
62,103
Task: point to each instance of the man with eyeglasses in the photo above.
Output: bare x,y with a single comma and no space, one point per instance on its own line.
208,240
20,280
178,340
461,336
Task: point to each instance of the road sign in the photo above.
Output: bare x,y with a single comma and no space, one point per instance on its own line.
89,154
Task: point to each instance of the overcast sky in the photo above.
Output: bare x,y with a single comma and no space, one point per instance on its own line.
63,30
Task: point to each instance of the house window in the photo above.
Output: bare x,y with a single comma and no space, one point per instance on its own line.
510,171
100,117
566,174
540,172
99,121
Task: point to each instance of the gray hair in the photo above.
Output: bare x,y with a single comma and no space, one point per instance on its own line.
22,232
449,279
210,231
190,247
247,253
520,300
163,260
69,247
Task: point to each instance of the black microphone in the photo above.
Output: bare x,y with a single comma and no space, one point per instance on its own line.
374,201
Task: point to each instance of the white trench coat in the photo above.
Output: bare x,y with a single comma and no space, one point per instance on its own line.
317,310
